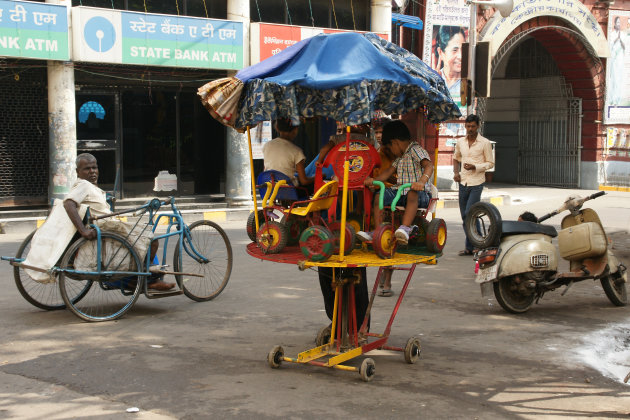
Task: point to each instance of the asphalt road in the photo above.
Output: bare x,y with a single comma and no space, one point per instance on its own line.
175,358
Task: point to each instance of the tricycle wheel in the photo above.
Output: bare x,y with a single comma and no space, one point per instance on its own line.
436,235
615,289
420,235
323,335
367,370
355,220
112,295
317,243
412,350
42,295
384,241
272,237
251,224
349,241
207,239
483,225
275,356
507,292
295,225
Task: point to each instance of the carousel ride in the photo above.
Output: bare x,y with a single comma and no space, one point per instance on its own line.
347,77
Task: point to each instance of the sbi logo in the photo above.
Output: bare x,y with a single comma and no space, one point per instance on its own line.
99,34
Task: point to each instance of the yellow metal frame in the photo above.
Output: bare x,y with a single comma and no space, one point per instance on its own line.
328,349
364,258
251,171
358,258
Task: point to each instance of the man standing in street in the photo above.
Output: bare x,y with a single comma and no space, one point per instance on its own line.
473,157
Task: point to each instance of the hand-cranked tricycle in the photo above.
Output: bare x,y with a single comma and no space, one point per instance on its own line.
101,279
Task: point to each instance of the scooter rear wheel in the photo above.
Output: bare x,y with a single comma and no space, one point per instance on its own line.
510,298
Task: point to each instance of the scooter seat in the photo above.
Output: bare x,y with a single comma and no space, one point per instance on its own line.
517,228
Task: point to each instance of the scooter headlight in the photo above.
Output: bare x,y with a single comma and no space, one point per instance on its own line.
539,261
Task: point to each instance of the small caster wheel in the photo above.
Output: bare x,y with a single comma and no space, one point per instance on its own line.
367,369
412,350
274,358
323,336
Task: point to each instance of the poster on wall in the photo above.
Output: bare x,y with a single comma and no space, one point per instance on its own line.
618,68
446,29
454,130
617,141
268,39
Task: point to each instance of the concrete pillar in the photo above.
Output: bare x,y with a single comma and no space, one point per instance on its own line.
238,184
381,17
62,130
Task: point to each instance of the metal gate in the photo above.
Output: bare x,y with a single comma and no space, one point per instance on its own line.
549,141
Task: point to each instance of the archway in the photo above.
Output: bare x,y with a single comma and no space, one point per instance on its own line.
546,104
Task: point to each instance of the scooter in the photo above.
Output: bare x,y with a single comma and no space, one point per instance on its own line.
519,263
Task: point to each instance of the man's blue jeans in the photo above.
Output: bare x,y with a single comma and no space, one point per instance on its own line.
467,197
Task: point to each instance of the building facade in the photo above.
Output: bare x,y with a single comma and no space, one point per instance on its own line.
558,105
558,100
139,115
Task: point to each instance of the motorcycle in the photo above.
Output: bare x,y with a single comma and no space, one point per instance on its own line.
519,263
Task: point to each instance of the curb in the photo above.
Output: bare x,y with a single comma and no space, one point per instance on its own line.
226,214
610,188
499,200
29,224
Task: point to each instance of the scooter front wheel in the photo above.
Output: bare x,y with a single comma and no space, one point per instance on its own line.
510,297
615,289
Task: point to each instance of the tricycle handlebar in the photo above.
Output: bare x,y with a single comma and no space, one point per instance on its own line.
381,195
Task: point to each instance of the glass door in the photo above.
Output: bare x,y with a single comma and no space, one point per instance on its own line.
98,129
150,140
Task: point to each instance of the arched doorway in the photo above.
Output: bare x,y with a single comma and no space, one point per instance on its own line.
540,81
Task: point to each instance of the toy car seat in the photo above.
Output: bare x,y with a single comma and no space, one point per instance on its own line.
363,159
286,192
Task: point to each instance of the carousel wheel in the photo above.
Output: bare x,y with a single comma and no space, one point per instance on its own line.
275,356
367,370
272,237
384,241
412,350
323,335
350,239
317,243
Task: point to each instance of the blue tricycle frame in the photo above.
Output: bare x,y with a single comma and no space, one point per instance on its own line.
203,281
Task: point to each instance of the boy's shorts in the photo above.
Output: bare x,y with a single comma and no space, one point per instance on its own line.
390,194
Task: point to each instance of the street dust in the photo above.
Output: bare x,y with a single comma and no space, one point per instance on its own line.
608,351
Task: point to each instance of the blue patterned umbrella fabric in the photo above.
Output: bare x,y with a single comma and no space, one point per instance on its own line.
346,76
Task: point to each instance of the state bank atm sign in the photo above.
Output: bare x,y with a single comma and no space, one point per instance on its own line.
113,36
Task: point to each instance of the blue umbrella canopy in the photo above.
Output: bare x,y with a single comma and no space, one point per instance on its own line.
344,76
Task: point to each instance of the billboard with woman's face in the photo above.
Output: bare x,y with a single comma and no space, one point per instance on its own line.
446,57
446,29
618,68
